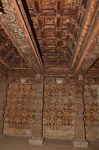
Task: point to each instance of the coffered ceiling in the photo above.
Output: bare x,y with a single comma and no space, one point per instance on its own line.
57,24
49,36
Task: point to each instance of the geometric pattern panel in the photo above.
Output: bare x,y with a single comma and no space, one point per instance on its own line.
20,110
58,105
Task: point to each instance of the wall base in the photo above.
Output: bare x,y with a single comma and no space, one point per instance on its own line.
82,144
2,137
36,142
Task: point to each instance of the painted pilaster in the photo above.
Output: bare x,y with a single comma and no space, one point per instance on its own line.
3,91
37,134
79,131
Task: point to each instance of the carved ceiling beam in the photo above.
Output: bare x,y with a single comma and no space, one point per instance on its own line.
31,36
92,5
88,51
15,23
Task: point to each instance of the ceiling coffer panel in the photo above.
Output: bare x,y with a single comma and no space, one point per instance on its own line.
57,24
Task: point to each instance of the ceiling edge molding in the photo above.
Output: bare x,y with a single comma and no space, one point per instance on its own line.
90,49
91,8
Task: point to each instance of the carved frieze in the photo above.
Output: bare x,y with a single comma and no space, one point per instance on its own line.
8,52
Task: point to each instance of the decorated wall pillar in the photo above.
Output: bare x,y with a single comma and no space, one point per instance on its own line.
3,90
37,134
79,131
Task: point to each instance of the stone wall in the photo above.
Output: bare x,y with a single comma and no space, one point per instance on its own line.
58,110
91,113
25,102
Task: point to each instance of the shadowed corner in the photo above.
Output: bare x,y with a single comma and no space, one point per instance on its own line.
1,8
